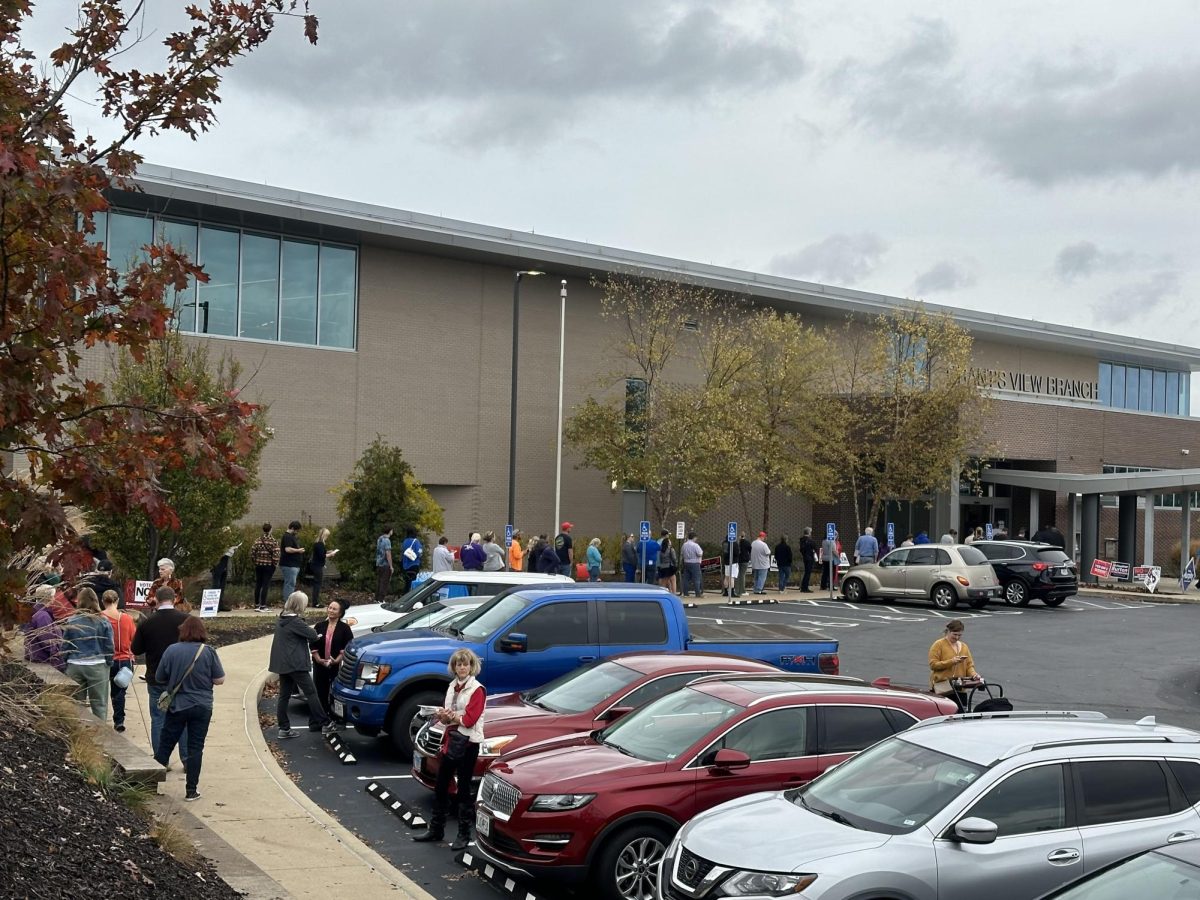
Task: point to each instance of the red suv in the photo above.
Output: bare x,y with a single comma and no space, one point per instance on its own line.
603,807
584,699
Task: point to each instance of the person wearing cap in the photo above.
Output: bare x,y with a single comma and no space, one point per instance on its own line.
166,578
101,581
564,549
760,562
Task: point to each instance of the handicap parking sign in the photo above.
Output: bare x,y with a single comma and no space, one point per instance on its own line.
830,530
987,531
732,531
891,534
645,531
508,533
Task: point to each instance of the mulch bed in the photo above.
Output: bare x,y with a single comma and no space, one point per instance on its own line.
62,837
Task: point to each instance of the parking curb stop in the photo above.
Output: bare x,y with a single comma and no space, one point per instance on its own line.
494,876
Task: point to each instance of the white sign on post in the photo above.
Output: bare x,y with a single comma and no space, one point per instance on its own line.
210,602
141,594
679,532
1147,575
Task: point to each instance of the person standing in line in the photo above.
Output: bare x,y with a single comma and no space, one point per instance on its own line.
783,562
411,554
649,559
950,537
921,538
493,554
220,572
629,558
866,548
743,557
123,627
383,563
548,560
190,671
463,714
668,562
516,553
327,652
564,546
290,660
88,646
594,560
760,562
908,541
43,638
472,554
166,578
730,567
155,633
101,580
691,556
808,555
443,556
317,564
829,560
291,557
264,553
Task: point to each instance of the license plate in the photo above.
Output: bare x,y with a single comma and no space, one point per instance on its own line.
483,823
338,709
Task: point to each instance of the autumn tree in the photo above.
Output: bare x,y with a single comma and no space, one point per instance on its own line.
913,410
206,508
63,442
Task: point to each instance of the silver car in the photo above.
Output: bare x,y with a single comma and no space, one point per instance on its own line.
943,573
986,807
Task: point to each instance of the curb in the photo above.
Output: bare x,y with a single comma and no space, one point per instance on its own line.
399,881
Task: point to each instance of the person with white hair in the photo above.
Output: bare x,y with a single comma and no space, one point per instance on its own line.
866,549
166,578
291,661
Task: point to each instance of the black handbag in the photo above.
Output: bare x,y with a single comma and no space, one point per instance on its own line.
456,746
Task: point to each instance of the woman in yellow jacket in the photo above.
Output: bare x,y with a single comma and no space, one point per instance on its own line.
950,657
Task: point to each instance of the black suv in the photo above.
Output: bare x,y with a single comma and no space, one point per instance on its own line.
1028,570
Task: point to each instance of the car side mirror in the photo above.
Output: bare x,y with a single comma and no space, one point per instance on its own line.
614,713
726,759
514,643
974,830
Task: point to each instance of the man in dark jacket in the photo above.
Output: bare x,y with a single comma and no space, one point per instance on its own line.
154,634
1051,535
101,580
291,660
783,562
547,562
808,553
743,558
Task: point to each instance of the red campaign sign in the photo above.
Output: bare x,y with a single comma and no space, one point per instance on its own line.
1101,568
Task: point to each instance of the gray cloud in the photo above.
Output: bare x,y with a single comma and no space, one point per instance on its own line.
839,259
1137,301
1084,259
1043,122
943,276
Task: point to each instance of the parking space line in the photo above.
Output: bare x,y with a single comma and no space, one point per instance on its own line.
378,777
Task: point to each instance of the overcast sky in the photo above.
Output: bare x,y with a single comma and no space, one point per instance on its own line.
1035,159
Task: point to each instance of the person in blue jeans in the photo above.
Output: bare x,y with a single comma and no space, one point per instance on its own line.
155,634
190,668
594,560
629,558
291,556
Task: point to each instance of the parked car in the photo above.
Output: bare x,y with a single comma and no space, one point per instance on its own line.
585,699
990,807
532,636
947,574
603,807
1031,571
436,614
364,617
1168,873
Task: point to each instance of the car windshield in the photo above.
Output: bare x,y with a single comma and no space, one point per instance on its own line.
972,557
491,617
665,728
894,787
421,593
1150,875
425,617
581,689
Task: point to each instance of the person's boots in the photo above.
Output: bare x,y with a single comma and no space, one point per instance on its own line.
465,814
437,825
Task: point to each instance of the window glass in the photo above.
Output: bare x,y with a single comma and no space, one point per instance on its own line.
1188,774
1118,386
777,734
942,557
1105,382
668,726
492,616
1160,392
555,625
922,556
182,237
971,556
100,223
1121,790
1054,557
1146,395
298,290
1172,390
128,233
260,287
1029,801
583,688
660,687
1149,875
336,326
634,622
1132,385
992,551
896,558
219,257
848,729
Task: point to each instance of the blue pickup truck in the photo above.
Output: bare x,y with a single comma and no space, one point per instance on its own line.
529,636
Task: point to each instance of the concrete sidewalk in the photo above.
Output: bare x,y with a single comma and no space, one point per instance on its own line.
250,803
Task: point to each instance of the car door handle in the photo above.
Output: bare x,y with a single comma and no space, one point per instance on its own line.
1181,836
1065,855
587,658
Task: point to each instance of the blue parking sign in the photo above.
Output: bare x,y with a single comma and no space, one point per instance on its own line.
987,531
645,531
508,533
732,532
891,533
830,530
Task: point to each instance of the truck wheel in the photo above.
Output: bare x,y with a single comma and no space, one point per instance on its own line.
627,867
403,727
944,596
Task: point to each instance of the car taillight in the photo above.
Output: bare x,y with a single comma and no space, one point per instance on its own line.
965,582
1040,567
828,663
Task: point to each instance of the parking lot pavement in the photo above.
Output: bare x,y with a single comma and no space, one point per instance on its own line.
1122,657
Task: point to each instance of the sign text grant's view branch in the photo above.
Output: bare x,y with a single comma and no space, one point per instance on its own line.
1030,383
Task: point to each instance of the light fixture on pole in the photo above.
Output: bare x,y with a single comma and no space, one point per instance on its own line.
512,407
562,343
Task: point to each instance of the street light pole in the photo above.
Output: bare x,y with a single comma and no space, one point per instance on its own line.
512,406
562,343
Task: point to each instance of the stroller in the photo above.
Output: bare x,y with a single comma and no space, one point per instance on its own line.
992,697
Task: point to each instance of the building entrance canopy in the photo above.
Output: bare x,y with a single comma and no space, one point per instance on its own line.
1127,486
